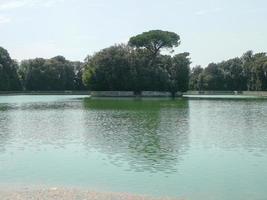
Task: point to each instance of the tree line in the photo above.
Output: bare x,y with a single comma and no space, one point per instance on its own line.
146,63
51,74
39,74
248,72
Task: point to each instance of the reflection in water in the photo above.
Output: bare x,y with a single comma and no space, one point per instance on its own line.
213,149
40,123
230,125
151,135
4,128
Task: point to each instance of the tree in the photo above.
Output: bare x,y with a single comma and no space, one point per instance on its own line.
131,68
109,69
233,72
259,72
179,73
78,71
213,77
144,76
9,79
195,82
33,74
47,74
248,72
60,74
255,72
247,62
122,68
155,40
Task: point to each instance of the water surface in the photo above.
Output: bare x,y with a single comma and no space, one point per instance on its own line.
196,149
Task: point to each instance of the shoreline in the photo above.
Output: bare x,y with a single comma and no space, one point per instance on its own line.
14,93
68,193
142,94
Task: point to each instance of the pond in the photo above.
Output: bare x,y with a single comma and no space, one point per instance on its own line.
194,149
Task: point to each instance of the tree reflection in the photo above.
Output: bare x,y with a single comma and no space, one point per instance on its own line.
4,132
150,135
230,124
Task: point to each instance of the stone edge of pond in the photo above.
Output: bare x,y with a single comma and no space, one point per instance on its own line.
141,94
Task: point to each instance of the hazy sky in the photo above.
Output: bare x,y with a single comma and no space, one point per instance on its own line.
211,30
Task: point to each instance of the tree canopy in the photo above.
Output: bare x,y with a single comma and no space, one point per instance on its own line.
249,72
123,68
155,40
136,66
50,74
9,79
129,67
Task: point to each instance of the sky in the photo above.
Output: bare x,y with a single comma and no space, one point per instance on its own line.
210,30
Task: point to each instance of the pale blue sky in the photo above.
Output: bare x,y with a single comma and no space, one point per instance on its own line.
211,30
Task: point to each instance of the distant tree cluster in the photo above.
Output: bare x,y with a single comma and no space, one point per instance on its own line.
139,65
40,74
51,74
248,72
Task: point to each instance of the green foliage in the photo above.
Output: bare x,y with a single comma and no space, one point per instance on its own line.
124,68
131,67
196,78
78,78
50,74
213,77
233,74
9,79
246,73
120,67
179,73
155,40
137,66
109,69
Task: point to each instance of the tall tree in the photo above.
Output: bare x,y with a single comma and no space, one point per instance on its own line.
233,72
213,79
195,82
247,63
139,66
179,73
33,74
78,71
109,69
9,79
155,40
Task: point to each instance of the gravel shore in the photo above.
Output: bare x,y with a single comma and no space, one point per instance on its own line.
67,194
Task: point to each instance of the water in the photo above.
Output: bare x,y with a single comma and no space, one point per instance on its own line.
195,149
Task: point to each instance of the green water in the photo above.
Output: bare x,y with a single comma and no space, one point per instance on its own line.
194,149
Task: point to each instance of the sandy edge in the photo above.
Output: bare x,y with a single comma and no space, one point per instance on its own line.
63,193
